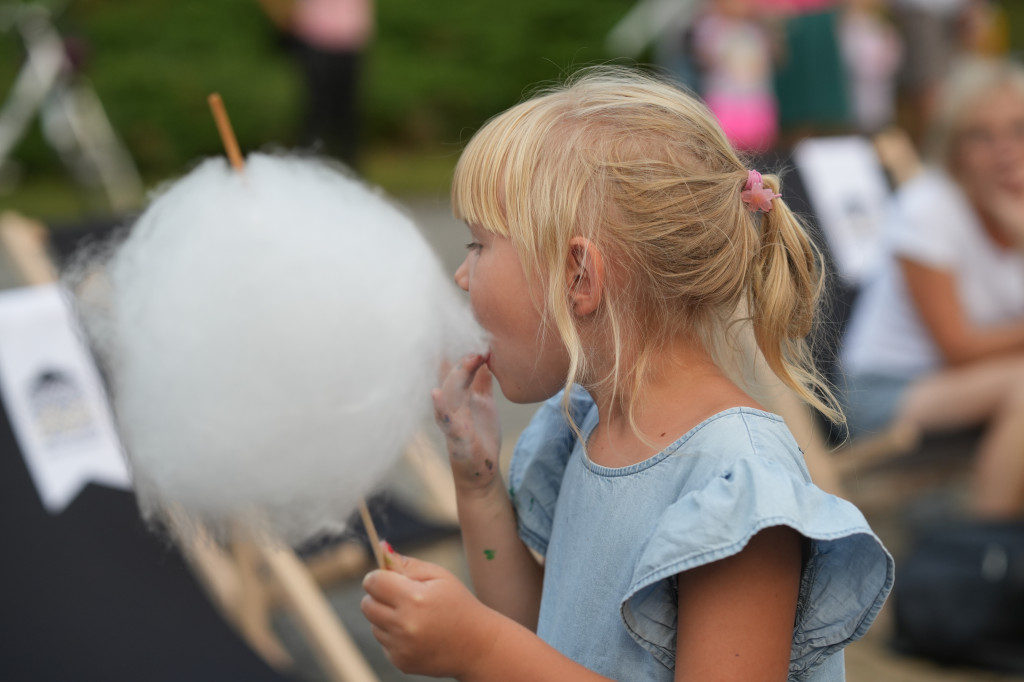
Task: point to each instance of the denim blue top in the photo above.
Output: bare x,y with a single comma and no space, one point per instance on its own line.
614,539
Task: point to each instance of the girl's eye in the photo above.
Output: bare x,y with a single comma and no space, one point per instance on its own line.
474,246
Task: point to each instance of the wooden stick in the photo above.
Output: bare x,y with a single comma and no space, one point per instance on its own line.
227,134
252,610
227,137
25,241
371,532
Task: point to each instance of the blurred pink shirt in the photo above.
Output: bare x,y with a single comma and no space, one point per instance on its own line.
334,25
796,6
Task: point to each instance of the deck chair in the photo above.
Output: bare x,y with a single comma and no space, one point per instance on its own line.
91,594
245,582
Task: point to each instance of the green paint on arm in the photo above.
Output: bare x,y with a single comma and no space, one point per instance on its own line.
489,553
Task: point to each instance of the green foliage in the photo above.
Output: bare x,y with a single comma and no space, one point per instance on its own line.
435,71
156,61
439,69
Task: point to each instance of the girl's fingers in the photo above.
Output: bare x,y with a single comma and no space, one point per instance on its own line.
454,390
438,399
446,367
444,411
384,638
378,613
462,375
482,381
416,569
388,587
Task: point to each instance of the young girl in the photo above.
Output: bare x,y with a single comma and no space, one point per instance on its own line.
616,240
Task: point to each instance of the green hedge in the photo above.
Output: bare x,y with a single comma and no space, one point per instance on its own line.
436,70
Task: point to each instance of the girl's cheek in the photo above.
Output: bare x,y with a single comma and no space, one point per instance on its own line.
474,305
481,311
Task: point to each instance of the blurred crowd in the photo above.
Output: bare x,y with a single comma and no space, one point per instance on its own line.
777,70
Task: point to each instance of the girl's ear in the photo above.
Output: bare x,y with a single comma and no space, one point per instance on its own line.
584,276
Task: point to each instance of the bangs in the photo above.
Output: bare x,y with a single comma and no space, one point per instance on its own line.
501,167
480,176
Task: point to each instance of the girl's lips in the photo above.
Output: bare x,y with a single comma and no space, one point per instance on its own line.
487,359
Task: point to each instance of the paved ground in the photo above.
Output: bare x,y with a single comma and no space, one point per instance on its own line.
869,660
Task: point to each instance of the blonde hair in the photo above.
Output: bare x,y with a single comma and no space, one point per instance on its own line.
969,81
643,170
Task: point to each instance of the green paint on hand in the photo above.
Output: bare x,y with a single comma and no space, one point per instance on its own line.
489,553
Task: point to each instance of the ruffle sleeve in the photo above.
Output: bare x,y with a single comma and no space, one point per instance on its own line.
538,464
846,577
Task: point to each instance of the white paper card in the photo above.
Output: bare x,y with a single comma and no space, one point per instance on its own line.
55,399
849,193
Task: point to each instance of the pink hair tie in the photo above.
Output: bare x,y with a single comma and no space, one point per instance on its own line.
755,195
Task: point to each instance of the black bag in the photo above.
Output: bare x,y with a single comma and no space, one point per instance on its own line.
959,596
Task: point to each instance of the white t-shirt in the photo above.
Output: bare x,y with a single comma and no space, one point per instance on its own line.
933,224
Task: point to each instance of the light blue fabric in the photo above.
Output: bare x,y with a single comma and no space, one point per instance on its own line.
871,400
614,539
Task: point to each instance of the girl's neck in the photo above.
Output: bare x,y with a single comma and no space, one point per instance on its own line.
683,389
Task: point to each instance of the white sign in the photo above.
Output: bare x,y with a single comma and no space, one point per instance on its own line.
849,193
54,397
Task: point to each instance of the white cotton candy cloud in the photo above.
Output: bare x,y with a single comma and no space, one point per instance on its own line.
270,339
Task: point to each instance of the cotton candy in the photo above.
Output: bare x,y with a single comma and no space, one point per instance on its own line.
270,339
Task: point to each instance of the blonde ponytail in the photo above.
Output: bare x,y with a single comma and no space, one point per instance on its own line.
785,286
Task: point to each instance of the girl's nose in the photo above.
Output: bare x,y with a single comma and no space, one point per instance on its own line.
462,276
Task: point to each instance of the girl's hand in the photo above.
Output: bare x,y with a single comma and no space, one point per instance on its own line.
427,621
465,411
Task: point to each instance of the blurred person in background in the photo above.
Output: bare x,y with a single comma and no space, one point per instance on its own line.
810,79
929,29
667,27
936,339
328,38
872,51
735,52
